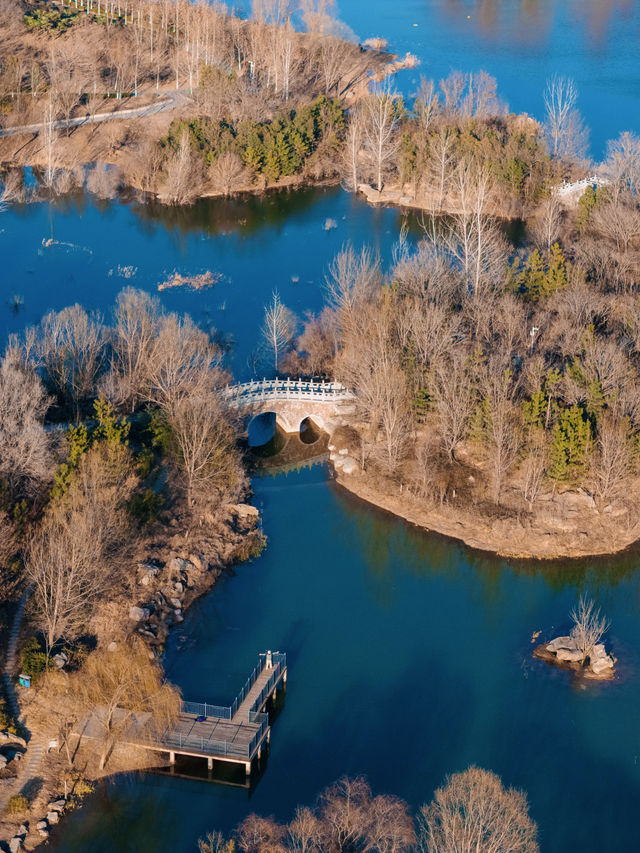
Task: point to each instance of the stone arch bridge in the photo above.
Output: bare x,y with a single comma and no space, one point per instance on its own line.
292,401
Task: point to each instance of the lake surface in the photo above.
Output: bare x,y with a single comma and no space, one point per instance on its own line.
77,250
409,656
521,43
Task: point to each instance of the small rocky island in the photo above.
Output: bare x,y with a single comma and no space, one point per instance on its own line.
581,650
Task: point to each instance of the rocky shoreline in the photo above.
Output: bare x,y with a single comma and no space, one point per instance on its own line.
517,537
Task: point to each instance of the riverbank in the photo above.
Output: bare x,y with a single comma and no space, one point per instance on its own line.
584,534
168,575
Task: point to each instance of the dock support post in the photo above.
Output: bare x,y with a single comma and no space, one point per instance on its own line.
172,758
247,768
209,763
284,677
268,735
259,752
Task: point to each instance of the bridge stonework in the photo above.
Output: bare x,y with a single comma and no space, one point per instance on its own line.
327,404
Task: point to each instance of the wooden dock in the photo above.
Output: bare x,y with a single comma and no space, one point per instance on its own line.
235,734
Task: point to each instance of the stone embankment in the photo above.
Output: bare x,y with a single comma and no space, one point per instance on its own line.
169,583
564,652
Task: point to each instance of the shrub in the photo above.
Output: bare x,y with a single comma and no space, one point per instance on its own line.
33,661
146,506
17,804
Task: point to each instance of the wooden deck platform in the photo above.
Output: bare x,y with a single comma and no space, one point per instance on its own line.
234,734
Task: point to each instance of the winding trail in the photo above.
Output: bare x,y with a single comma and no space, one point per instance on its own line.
33,757
171,101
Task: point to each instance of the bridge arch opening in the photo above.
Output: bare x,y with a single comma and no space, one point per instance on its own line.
310,430
261,429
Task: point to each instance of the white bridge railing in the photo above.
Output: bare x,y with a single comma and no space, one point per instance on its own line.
286,389
580,186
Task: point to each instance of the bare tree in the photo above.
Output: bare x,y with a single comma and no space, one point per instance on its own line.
305,832
137,321
622,166
69,560
613,461
344,811
277,328
25,459
70,348
256,834
566,133
205,446
181,174
352,151
120,689
180,363
548,222
455,395
379,123
228,173
589,626
475,812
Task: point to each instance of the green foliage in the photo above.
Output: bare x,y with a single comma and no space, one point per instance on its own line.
534,410
160,431
33,661
18,804
78,445
145,507
51,19
587,201
275,149
541,275
570,443
109,429
144,462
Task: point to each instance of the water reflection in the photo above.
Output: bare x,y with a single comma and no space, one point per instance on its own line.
532,21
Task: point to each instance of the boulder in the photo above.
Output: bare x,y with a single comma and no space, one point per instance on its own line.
198,562
61,660
139,614
22,829
16,843
177,604
179,587
178,563
3,761
598,651
245,511
53,816
601,665
112,647
41,824
570,655
343,452
331,448
57,806
349,466
177,616
561,643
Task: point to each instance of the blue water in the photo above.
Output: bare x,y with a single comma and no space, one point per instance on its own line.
256,245
409,657
521,43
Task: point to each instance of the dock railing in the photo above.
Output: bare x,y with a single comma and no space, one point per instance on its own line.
207,746
279,663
